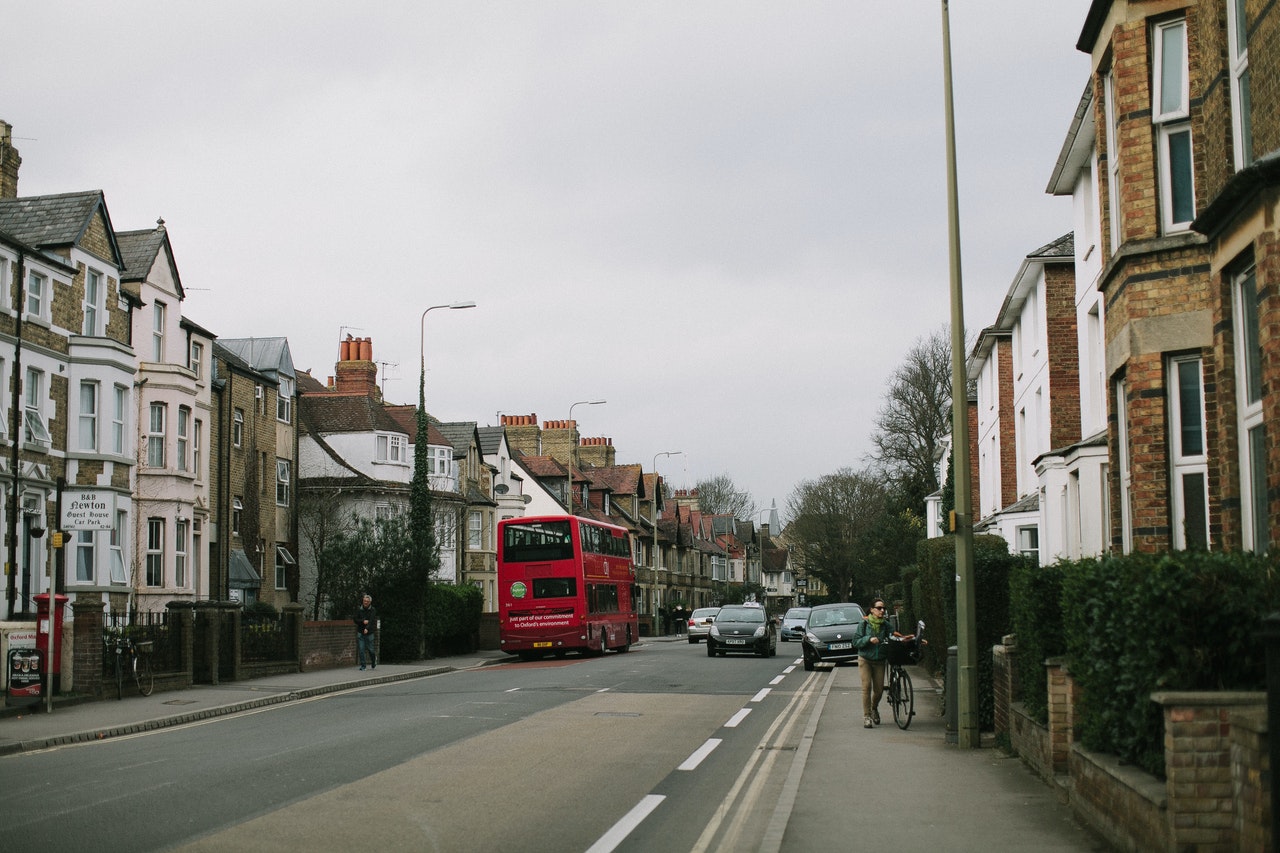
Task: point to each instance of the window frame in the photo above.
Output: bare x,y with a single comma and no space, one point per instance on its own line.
1171,120
284,473
1251,426
37,291
181,532
237,428
1114,208
156,456
183,437
87,422
284,400
195,359
116,546
94,302
119,419
159,317
85,555
237,512
153,577
1184,464
35,431
1241,97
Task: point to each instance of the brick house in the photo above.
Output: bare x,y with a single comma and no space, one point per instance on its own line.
1185,101
66,367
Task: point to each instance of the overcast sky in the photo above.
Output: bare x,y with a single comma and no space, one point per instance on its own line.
727,219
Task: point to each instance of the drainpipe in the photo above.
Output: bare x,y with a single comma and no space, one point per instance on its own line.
15,504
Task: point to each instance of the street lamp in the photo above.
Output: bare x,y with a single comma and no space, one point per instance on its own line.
656,552
574,446
422,348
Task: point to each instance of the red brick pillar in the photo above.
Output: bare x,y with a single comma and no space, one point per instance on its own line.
86,630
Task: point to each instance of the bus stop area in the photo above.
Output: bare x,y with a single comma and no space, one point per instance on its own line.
854,785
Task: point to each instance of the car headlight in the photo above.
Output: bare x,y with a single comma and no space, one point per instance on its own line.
760,632
715,632
812,639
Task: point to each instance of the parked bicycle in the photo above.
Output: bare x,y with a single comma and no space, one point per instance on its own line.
903,652
133,660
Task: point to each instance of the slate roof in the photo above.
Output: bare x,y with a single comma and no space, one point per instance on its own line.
234,360
1063,247
46,221
460,435
269,355
491,439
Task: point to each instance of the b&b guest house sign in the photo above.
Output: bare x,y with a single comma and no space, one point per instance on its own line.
88,509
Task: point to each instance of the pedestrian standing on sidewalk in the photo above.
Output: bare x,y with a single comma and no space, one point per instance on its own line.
366,619
873,657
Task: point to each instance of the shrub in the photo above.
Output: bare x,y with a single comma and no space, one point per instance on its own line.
1141,623
1035,616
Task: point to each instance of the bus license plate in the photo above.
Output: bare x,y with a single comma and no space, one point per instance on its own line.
545,645
736,642
835,647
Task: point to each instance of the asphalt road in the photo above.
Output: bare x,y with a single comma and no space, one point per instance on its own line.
629,752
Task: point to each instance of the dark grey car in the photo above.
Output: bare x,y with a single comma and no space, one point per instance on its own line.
743,628
828,635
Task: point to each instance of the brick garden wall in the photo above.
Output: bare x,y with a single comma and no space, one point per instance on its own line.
327,645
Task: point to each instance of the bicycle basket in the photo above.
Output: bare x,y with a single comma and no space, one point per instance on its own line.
903,652
143,647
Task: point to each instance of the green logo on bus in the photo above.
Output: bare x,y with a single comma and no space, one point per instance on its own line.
518,590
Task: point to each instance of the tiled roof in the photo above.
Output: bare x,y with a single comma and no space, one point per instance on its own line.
328,413
619,479
407,417
460,435
55,220
543,466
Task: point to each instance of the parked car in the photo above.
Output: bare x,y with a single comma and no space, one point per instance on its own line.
742,628
700,623
793,622
828,635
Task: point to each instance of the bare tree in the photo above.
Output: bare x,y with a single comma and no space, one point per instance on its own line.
719,495
321,519
916,416
838,526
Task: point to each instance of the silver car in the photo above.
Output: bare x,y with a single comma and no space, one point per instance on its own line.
793,622
700,623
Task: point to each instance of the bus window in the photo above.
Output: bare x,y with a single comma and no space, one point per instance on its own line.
602,598
554,587
540,541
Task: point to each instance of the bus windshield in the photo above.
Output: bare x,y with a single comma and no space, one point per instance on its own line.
537,542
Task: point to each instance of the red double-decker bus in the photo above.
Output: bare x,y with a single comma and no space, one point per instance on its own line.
565,584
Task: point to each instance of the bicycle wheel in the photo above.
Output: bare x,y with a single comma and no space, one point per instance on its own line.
145,677
905,708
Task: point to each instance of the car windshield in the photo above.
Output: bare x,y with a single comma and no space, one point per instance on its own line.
797,613
826,618
740,614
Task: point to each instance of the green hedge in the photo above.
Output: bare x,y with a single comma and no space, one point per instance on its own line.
453,619
1035,617
1140,623
934,600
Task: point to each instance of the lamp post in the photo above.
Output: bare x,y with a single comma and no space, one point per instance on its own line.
969,735
574,445
422,348
656,552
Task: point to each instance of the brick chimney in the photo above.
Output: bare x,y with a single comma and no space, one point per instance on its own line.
356,372
9,162
523,433
597,452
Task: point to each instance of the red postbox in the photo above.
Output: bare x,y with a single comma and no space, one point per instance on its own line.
45,625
